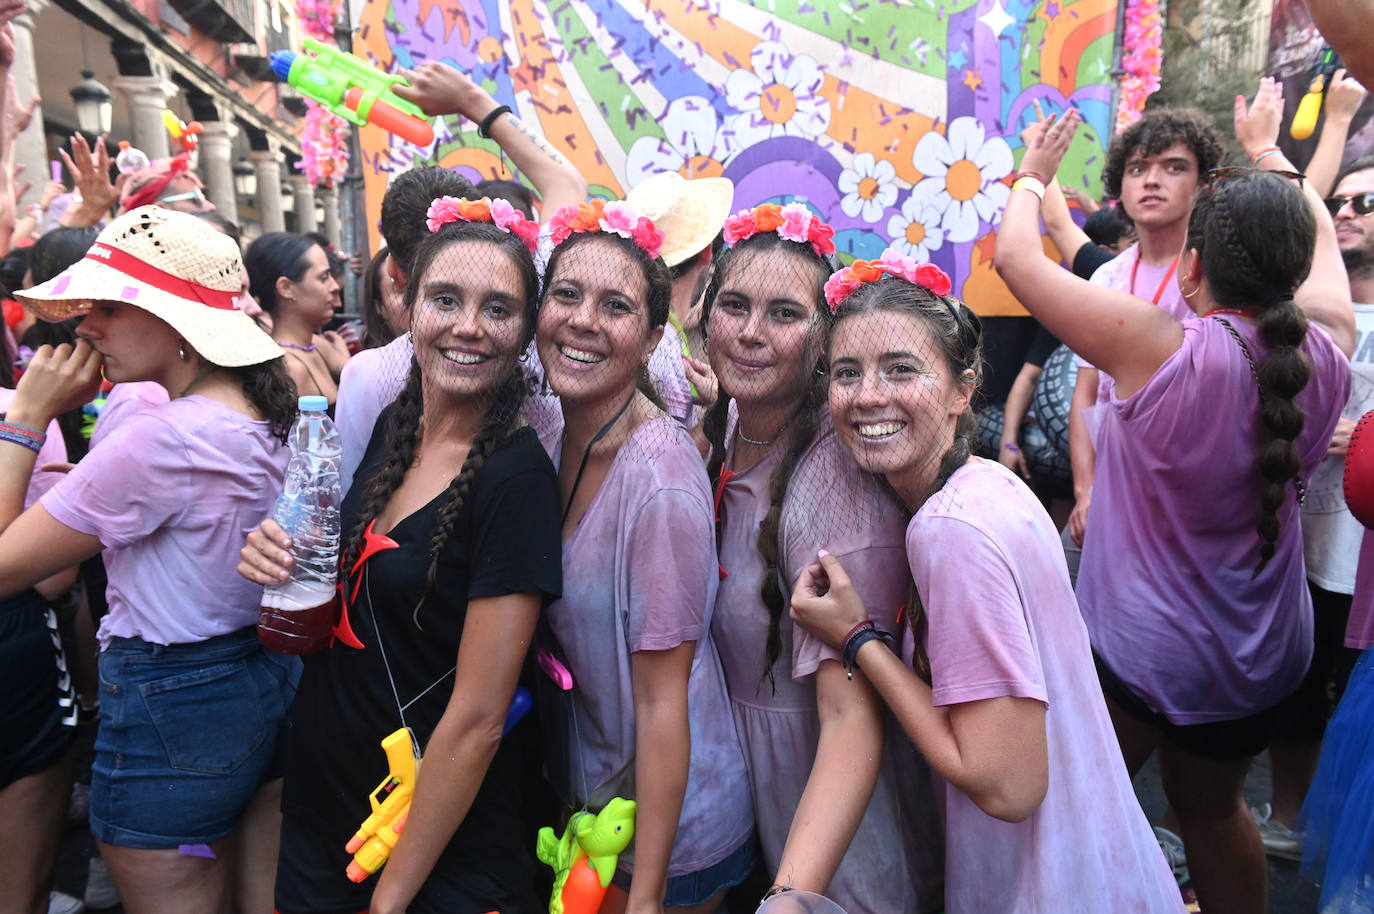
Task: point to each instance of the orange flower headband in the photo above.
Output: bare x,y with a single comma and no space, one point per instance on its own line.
794,222
498,212
846,282
614,218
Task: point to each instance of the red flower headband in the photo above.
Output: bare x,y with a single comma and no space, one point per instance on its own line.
794,222
614,218
498,212
846,281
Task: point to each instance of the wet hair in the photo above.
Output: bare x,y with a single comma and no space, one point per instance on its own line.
1156,132
272,256
376,331
221,224
405,429
800,431
658,284
958,336
1107,226
59,249
407,201
513,192
1256,233
270,389
1363,163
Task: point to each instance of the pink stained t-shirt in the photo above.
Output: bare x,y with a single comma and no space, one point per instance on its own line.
895,862
639,574
172,494
125,399
1166,584
1002,622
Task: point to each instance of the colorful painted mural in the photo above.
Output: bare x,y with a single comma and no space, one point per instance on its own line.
896,120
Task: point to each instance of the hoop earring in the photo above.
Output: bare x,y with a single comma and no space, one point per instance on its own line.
1190,294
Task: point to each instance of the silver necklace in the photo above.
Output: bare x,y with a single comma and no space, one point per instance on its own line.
739,430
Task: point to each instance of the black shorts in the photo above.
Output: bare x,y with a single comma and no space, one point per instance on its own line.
38,714
1221,740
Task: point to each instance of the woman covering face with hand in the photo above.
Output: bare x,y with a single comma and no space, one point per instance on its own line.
450,552
647,718
997,635
838,812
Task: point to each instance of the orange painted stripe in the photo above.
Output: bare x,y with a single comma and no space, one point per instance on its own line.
1077,43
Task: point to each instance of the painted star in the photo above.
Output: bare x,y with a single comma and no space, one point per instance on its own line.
972,79
997,19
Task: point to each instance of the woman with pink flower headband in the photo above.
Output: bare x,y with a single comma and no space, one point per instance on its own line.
647,717
838,811
450,551
991,676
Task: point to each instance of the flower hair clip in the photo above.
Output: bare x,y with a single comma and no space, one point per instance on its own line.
614,218
498,212
794,222
846,281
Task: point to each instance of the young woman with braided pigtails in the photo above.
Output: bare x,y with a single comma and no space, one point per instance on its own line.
647,718
838,812
1193,584
450,550
994,684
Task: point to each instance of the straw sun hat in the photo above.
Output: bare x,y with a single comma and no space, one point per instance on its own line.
172,265
689,213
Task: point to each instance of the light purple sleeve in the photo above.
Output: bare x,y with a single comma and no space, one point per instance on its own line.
137,481
977,637
671,558
353,416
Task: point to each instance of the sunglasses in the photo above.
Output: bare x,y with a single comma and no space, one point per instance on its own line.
1227,172
1362,204
195,195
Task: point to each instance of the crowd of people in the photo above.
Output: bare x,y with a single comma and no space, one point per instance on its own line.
716,500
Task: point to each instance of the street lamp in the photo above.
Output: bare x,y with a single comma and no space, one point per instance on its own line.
288,198
245,178
94,105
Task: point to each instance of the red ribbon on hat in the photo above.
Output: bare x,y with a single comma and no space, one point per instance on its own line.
146,273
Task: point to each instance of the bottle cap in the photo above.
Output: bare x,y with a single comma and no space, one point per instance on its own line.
314,404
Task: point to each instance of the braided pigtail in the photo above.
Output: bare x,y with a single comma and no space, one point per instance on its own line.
502,421
969,332
1283,373
798,439
403,435
713,427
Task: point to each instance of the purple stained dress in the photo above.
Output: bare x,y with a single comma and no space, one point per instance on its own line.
895,862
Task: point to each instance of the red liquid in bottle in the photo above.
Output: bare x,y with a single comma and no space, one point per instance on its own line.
297,629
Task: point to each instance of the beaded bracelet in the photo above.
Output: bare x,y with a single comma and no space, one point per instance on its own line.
484,128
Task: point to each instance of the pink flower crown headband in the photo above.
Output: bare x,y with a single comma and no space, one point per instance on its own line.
498,212
614,218
846,282
794,222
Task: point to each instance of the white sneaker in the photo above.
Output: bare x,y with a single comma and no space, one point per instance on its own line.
62,903
1279,840
100,888
1174,854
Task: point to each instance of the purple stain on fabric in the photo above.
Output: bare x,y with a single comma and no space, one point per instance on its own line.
129,293
62,283
196,850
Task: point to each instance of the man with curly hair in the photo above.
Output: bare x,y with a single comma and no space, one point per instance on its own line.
1154,168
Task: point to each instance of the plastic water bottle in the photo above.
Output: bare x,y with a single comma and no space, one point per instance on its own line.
298,614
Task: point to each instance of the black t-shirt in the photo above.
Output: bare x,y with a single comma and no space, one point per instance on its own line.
507,541
1089,257
1041,347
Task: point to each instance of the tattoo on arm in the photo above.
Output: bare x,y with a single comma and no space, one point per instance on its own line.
539,142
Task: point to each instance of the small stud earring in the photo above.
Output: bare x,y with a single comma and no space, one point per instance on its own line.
181,351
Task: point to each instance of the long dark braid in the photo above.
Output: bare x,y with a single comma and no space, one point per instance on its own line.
1255,234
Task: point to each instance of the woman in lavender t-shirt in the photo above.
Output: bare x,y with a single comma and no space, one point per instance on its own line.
1002,699
840,810
1193,585
648,718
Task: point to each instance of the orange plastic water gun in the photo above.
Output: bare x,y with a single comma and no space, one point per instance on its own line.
377,836
584,856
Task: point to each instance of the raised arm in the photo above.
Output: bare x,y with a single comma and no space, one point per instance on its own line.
1343,98
440,89
1345,24
1121,334
1325,295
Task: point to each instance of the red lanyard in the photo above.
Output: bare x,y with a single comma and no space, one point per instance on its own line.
1167,276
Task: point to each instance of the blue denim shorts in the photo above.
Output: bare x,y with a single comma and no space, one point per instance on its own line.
188,733
695,888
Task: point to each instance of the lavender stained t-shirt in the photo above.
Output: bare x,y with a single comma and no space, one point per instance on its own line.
1002,622
894,863
172,494
639,574
1167,583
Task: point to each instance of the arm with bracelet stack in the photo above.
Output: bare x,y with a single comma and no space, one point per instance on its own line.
353,89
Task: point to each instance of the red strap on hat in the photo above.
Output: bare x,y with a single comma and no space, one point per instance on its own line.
161,280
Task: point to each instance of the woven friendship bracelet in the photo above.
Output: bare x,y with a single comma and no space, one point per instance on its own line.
8,433
36,434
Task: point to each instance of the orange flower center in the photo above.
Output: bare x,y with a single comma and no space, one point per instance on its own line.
778,104
963,180
868,188
701,167
489,49
915,233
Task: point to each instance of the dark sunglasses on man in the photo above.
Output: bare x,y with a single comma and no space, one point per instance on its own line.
1362,204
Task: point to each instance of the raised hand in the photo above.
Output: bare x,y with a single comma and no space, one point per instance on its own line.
1344,95
1257,124
1047,149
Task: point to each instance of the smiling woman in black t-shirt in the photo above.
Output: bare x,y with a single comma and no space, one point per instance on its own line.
451,549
